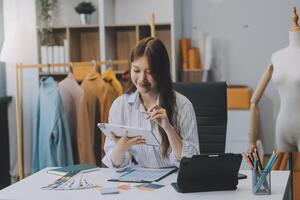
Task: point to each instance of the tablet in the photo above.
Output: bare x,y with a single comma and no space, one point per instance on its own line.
119,131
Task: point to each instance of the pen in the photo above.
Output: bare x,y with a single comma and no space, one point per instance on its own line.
258,158
266,170
130,180
251,157
259,166
246,157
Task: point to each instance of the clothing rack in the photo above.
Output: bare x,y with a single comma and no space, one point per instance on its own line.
19,68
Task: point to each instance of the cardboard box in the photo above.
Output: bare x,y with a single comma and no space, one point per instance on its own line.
238,97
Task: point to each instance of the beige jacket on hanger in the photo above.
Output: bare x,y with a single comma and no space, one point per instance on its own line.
72,97
98,100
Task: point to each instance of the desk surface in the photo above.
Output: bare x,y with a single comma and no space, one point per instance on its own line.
29,188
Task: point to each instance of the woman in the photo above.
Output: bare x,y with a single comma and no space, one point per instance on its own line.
151,103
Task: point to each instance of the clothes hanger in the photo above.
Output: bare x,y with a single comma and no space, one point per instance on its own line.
109,64
71,66
49,71
94,65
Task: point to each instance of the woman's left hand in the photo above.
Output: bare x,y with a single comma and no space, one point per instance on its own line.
159,115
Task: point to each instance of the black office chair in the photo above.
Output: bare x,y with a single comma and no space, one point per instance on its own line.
210,103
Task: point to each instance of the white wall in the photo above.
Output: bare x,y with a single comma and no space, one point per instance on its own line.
137,11
247,32
22,13
1,24
2,66
65,14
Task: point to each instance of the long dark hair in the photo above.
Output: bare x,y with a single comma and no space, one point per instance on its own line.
159,64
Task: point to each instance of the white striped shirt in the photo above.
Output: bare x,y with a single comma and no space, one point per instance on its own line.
128,110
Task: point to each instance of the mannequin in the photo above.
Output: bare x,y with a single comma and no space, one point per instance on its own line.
285,73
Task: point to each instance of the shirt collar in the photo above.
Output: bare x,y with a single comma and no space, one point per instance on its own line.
133,97
93,76
134,100
48,84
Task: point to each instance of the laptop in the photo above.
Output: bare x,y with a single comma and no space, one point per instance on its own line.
202,173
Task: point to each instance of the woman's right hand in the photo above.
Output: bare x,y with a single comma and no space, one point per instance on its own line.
124,143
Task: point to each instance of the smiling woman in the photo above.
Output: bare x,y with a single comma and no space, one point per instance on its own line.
151,103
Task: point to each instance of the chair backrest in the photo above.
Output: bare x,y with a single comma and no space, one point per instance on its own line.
209,100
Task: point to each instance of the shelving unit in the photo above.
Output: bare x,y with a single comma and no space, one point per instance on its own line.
58,35
163,32
117,15
120,39
114,37
191,75
84,43
119,42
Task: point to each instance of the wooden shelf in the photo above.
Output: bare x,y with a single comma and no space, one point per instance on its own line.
78,26
84,41
119,42
191,75
53,74
143,31
139,24
163,32
57,36
120,71
85,26
120,25
84,44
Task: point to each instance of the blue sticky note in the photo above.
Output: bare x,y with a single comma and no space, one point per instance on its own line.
153,186
109,191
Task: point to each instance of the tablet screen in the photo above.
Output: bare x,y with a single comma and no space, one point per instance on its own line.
119,131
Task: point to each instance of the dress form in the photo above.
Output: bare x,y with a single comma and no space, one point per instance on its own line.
286,76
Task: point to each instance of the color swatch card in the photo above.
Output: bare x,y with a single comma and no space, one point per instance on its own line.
75,182
149,187
124,187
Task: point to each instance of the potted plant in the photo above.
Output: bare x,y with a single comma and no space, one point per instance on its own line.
45,8
85,9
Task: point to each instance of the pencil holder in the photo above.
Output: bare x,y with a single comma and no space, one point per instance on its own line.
261,182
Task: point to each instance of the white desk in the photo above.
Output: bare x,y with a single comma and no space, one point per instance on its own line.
29,188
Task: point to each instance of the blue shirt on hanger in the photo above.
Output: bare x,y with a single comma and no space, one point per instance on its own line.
51,142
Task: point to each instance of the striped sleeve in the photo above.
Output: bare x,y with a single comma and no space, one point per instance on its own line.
188,129
114,118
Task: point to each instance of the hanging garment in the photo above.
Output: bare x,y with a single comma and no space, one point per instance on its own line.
72,97
111,90
97,99
51,142
110,76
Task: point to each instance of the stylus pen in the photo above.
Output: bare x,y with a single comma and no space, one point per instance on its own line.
130,180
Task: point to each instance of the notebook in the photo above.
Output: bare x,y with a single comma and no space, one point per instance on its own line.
84,168
144,175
